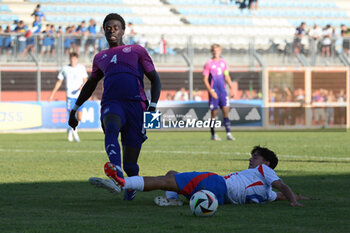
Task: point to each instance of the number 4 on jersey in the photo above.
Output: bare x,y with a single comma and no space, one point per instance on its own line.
114,59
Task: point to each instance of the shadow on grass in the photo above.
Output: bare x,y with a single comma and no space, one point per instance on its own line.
79,207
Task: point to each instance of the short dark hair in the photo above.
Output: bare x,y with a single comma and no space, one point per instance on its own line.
73,54
267,154
115,16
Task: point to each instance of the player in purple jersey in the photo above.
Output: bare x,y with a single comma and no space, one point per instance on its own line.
124,100
215,74
253,185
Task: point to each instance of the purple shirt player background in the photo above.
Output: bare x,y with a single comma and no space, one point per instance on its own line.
123,68
216,72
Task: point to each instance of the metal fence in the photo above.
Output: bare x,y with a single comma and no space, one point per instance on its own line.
238,51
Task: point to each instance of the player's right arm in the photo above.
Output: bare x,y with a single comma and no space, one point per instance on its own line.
55,89
86,92
286,191
60,77
206,73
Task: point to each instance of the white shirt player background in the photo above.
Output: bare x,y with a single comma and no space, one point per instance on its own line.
74,79
251,185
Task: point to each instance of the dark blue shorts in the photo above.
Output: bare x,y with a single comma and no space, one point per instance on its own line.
221,101
191,182
132,131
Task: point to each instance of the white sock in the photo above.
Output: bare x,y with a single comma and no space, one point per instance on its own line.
171,195
134,182
228,134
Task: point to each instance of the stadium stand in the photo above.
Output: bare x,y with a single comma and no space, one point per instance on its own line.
203,20
267,32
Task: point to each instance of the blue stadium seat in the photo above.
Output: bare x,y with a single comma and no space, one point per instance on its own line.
4,8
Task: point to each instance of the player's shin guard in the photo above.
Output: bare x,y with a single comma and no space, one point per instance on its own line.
112,146
131,169
227,124
212,129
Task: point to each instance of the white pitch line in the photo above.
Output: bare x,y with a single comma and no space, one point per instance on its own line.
178,152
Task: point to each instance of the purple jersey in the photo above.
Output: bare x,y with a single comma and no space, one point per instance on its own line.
123,68
216,71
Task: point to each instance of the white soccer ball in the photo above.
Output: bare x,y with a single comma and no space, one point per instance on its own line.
203,203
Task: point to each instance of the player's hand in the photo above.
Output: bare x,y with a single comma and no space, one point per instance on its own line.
73,122
296,204
213,94
300,197
151,109
232,94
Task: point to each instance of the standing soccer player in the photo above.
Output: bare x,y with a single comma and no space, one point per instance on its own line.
75,75
215,74
124,100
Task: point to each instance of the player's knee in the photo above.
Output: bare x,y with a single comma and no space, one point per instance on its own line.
131,169
112,123
110,127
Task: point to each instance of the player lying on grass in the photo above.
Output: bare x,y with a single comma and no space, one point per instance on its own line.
253,185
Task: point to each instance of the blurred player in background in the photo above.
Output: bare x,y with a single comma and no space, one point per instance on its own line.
75,75
124,100
215,74
253,185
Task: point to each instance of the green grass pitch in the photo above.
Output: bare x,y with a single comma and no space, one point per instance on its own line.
44,188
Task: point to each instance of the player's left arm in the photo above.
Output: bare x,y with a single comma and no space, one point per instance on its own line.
286,193
155,89
152,75
229,82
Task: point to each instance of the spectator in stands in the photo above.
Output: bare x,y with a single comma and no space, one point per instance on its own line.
67,40
299,112
102,42
91,33
315,35
287,96
319,112
142,40
181,95
300,33
345,34
59,31
162,48
46,41
197,95
330,110
20,29
53,36
326,41
7,40
242,4
80,31
130,33
253,4
341,98
2,38
169,97
32,39
37,12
